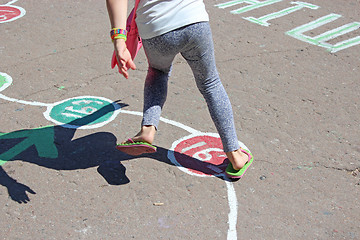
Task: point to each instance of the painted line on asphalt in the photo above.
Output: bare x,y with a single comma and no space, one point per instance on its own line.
6,81
321,40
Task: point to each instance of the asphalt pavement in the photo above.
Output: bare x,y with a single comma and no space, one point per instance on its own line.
291,72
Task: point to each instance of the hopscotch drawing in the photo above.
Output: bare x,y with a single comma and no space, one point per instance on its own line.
203,147
9,12
322,40
68,113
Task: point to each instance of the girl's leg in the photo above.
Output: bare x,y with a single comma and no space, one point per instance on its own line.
160,52
155,92
200,55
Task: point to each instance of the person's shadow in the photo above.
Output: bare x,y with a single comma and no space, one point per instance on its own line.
53,147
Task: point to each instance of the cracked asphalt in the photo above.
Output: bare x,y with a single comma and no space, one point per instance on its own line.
296,107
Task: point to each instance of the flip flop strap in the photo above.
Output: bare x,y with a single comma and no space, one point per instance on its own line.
248,154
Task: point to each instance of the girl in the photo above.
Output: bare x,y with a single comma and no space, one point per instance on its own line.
169,27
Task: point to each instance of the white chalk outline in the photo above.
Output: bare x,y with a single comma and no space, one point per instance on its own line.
7,84
8,79
92,126
172,157
232,199
22,11
50,106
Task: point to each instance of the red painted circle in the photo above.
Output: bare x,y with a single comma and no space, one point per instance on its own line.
201,155
8,12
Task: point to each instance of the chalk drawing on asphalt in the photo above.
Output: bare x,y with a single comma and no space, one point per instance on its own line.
82,112
5,81
264,20
78,108
9,12
252,4
321,40
204,147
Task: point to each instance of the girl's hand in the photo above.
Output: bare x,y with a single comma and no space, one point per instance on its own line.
123,57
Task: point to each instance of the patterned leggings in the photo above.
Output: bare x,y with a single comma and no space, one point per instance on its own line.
195,44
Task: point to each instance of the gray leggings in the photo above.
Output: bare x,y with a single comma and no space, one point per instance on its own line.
195,44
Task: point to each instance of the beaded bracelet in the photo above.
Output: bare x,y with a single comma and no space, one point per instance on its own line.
118,36
117,33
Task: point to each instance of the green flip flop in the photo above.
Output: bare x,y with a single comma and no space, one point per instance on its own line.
232,173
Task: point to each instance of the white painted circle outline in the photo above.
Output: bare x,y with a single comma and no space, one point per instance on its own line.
232,199
117,107
22,12
171,154
8,79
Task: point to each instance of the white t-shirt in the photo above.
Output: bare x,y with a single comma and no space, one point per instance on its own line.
156,17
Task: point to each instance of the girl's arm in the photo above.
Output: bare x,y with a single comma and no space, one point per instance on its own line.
117,10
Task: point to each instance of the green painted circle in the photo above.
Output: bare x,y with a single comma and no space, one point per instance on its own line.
5,81
82,111
2,80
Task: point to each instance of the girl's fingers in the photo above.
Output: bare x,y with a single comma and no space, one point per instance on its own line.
124,72
124,62
131,64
